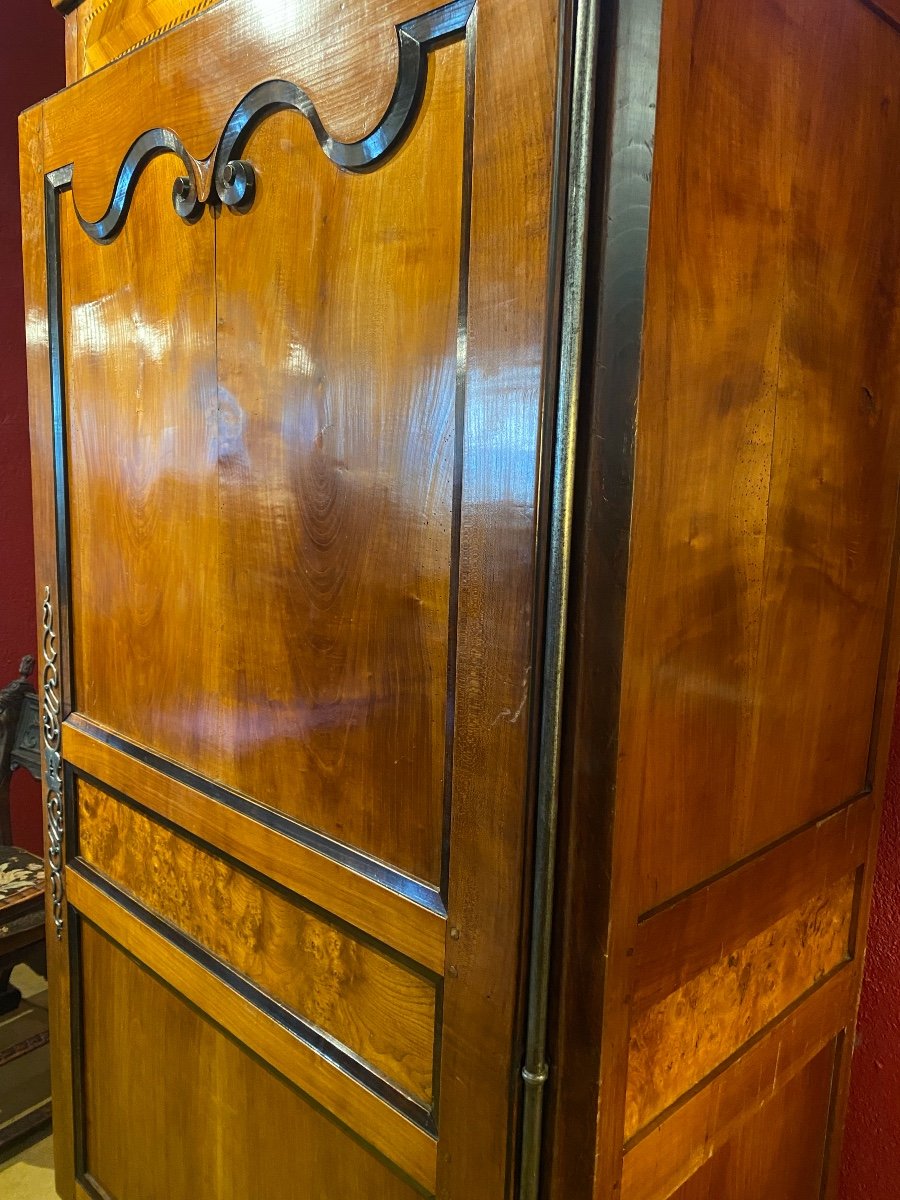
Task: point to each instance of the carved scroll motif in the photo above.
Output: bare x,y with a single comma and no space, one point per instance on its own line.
227,178
53,761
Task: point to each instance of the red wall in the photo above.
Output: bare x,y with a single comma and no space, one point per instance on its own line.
871,1164
32,66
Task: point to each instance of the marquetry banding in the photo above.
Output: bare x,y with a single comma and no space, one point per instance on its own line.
127,27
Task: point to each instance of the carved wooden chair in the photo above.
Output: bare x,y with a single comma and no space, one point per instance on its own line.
21,873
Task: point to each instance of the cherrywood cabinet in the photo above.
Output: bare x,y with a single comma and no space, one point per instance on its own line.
466,459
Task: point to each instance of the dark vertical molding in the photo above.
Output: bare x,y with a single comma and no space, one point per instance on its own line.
55,183
628,74
58,634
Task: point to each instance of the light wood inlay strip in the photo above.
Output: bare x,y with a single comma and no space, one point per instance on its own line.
402,1142
662,1159
385,914
685,938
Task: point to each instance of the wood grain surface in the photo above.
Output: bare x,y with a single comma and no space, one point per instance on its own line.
779,1151
742,719
418,930
305,445
231,1127
381,1010
666,1155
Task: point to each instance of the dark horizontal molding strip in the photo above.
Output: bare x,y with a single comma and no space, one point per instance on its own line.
755,855
293,897
225,177
316,1039
378,872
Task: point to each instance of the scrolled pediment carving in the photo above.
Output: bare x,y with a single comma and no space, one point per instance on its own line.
225,177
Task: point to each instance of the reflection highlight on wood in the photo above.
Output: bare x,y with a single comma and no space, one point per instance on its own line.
382,1011
262,496
107,29
681,1039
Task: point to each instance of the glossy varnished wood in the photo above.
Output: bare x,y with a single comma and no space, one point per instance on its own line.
768,650
757,666
403,1143
104,30
304,532
143,488
338,462
416,930
302,674
307,555
231,1128
351,990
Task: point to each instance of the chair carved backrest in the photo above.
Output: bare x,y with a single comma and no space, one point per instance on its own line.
12,698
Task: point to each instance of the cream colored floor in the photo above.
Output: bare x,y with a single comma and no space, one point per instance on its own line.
29,1174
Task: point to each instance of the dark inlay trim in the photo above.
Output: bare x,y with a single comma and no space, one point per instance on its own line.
227,178
346,856
327,1047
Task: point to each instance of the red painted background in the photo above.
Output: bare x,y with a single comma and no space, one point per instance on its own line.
871,1164
32,65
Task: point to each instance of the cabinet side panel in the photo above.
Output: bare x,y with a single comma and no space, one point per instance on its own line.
758,648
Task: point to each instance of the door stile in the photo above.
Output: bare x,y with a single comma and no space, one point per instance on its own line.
42,306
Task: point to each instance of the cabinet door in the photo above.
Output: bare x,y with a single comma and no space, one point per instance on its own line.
286,410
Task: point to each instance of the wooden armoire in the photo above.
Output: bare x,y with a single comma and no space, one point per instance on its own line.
466,463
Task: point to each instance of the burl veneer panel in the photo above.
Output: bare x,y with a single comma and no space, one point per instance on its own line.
678,1041
364,998
230,1128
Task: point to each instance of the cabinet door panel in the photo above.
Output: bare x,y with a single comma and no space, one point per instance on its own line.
287,464
338,311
